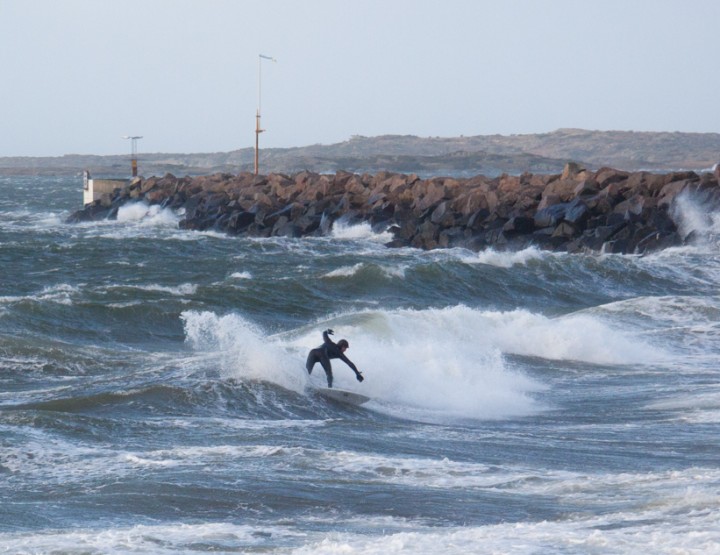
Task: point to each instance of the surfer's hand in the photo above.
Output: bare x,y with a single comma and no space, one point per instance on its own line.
359,377
330,332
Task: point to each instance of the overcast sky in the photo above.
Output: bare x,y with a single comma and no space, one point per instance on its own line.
77,75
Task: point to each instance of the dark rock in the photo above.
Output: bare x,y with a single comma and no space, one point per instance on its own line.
565,229
661,220
92,212
475,221
616,219
616,246
586,188
239,221
658,241
550,216
442,215
577,213
452,237
519,225
608,176
426,236
631,207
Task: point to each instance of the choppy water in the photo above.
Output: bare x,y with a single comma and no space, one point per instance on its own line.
153,397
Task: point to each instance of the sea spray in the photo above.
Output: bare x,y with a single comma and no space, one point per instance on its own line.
442,361
452,360
507,259
427,365
343,230
242,350
140,212
388,272
575,337
696,221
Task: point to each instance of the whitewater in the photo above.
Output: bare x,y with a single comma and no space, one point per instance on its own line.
153,396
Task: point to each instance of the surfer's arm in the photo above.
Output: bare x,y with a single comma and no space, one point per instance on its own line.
326,337
349,362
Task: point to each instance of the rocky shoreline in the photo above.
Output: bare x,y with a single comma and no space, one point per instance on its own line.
578,210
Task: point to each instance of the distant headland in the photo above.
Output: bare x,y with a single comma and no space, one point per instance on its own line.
490,155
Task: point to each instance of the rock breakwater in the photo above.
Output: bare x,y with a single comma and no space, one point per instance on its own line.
576,211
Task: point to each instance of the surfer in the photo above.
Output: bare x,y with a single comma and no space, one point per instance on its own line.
329,349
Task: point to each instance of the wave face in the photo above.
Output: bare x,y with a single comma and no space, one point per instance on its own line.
154,397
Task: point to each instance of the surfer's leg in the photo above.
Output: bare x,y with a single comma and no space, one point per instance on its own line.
311,360
325,361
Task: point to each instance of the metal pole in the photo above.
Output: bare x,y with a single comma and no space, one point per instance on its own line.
258,130
133,153
257,141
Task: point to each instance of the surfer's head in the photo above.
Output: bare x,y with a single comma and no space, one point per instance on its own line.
343,344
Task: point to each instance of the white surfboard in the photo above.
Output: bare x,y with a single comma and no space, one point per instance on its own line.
342,395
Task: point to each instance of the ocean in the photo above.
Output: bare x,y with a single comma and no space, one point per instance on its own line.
153,395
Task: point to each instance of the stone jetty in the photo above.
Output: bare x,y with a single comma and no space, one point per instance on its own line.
578,210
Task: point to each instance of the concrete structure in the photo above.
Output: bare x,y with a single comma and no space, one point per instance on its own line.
102,189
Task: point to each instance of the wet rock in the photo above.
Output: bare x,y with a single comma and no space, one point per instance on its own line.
519,225
578,210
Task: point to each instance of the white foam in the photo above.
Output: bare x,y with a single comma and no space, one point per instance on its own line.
426,365
361,231
40,222
616,534
345,271
241,275
663,512
666,512
708,398
242,350
506,259
233,424
157,540
349,271
178,291
687,327
397,271
125,305
693,217
701,417
137,220
145,215
45,459
62,293
576,337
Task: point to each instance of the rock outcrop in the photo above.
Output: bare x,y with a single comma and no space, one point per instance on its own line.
576,211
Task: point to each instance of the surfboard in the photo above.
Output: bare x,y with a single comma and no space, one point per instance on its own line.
342,396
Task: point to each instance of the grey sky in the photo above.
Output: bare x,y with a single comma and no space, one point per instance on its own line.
79,74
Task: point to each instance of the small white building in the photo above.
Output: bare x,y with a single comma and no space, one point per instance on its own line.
94,189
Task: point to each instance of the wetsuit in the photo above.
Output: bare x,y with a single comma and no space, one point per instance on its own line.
324,353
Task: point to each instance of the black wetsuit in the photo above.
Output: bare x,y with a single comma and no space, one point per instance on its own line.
324,353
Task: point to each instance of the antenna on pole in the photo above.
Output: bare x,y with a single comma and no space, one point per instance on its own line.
133,153
258,130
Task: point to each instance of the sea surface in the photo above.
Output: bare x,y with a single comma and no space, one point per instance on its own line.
153,396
